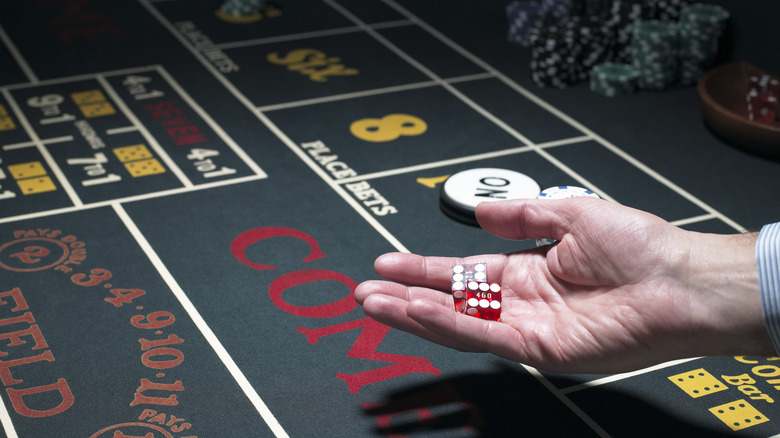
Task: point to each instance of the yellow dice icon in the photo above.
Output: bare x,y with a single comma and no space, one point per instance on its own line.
132,153
93,103
97,109
6,122
27,170
698,383
144,167
89,96
41,184
739,415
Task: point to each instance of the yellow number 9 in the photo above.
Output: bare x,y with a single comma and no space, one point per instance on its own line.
388,128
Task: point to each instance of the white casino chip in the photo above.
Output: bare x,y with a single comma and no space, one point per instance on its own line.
562,192
464,190
565,192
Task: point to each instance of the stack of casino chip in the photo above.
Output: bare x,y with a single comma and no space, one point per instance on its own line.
614,79
524,17
557,9
553,57
527,17
701,26
563,54
622,16
568,37
665,10
241,8
655,53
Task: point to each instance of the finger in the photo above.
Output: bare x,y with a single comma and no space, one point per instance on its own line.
391,311
376,287
531,218
466,332
414,269
433,272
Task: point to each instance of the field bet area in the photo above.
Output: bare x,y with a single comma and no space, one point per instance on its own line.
187,204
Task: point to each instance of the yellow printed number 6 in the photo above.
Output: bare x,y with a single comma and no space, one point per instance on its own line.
388,128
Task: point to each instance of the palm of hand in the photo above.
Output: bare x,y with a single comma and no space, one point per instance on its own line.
593,302
578,304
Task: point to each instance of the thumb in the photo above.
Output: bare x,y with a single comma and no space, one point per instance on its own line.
519,219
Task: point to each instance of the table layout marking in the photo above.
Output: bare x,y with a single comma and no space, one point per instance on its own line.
333,184
695,219
198,320
622,376
158,149
36,141
196,53
346,96
560,393
587,133
273,128
460,160
133,198
285,38
5,420
210,121
469,102
114,131
469,78
28,144
136,126
566,401
20,61
564,117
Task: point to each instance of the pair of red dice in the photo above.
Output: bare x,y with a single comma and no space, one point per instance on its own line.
763,92
473,294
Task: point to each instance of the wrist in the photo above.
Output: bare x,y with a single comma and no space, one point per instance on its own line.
726,299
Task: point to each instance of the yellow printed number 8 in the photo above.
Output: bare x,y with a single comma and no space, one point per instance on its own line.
388,128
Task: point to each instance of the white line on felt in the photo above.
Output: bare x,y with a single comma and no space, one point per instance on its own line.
158,149
550,108
211,338
17,55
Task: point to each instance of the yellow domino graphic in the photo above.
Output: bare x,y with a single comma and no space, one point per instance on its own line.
739,415
144,167
698,383
6,122
31,177
41,184
93,103
89,96
97,109
27,170
139,160
132,153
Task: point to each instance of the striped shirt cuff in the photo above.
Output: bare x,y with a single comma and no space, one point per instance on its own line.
768,260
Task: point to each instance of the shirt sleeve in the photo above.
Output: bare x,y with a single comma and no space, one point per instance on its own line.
768,260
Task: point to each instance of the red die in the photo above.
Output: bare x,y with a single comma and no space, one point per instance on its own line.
761,106
473,295
461,275
762,96
483,300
